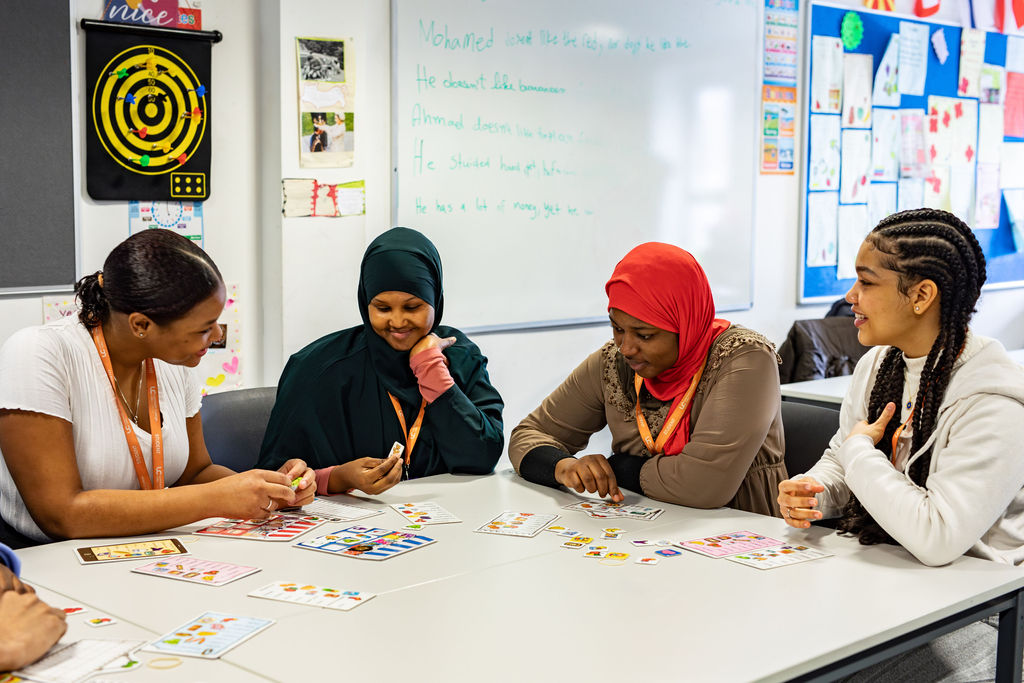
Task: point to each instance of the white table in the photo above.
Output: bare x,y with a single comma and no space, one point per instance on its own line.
474,606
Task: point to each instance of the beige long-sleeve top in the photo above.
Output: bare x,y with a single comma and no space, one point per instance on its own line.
734,457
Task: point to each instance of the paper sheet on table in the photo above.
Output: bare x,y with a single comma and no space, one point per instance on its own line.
822,214
911,194
885,144
1015,209
936,188
972,53
1013,106
853,228
913,157
881,202
1014,53
990,89
961,192
823,169
1011,169
990,133
886,91
987,197
855,167
940,46
913,67
826,74
857,70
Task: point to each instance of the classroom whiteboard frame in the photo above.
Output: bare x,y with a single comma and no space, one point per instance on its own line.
805,146
593,321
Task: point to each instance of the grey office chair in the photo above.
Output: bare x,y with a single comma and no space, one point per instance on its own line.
807,430
234,423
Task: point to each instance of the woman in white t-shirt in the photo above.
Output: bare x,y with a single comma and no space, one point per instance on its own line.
99,413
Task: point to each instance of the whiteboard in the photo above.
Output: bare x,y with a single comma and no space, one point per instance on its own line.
536,142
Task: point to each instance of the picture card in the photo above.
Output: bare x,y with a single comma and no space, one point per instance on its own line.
602,509
509,523
80,660
729,544
310,594
283,526
135,550
195,570
365,543
209,635
425,513
778,556
333,511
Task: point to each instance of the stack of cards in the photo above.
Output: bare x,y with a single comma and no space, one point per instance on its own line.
754,550
80,660
284,526
600,509
308,594
333,511
194,570
422,514
509,523
366,544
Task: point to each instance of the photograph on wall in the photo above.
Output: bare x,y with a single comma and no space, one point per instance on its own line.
326,103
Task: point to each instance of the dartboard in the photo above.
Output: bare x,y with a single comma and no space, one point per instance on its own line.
149,115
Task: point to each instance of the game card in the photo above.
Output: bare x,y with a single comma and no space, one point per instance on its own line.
729,544
136,550
309,594
283,526
527,524
77,661
779,556
209,635
602,509
333,511
425,513
194,570
366,544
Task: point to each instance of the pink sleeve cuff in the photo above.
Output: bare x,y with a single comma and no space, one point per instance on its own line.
323,477
431,373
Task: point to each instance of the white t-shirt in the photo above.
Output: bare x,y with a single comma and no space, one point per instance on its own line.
54,369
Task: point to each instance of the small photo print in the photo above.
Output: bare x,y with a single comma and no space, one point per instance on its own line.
321,60
327,132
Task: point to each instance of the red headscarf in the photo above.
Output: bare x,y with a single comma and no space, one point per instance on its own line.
664,286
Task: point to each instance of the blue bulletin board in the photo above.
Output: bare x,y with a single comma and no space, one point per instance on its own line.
1005,264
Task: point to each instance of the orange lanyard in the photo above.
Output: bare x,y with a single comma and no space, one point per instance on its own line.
412,434
896,434
154,418
667,429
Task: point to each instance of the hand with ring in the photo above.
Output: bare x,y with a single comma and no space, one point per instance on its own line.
270,506
797,498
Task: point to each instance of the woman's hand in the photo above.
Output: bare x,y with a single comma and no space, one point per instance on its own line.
877,428
369,475
28,627
10,582
305,490
255,494
797,498
591,473
431,341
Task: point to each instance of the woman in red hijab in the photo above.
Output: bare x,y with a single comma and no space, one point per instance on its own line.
692,401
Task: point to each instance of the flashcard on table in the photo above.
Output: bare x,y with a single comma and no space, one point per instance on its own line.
74,609
425,513
779,556
136,550
209,635
79,660
729,544
194,570
309,594
647,560
366,544
96,622
284,526
601,509
333,511
526,524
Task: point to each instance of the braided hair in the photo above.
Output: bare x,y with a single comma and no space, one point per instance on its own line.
921,244
158,273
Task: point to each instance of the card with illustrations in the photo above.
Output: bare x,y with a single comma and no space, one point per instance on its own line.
509,523
135,550
365,543
425,513
603,509
333,511
195,570
779,556
309,594
209,635
283,526
729,544
80,660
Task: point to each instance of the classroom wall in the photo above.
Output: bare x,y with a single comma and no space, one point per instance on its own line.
301,273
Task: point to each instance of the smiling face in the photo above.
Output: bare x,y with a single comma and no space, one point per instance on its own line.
648,350
185,341
400,318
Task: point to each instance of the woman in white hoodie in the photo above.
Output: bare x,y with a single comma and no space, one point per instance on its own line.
927,453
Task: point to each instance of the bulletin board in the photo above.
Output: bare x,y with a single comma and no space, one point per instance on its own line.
821,283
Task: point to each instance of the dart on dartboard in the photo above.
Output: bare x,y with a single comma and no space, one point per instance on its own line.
143,160
141,132
165,146
120,73
194,114
129,98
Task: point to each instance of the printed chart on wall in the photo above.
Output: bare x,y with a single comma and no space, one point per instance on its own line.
904,113
536,143
221,367
326,102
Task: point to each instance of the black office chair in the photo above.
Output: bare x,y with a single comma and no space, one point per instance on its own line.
807,430
234,423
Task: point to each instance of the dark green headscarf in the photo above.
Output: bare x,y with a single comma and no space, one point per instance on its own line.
400,260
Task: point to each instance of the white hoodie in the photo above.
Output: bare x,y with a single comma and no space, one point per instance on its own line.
974,502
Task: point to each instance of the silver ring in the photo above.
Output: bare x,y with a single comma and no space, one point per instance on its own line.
269,505
789,513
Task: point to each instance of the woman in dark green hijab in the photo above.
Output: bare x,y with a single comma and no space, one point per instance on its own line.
345,399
